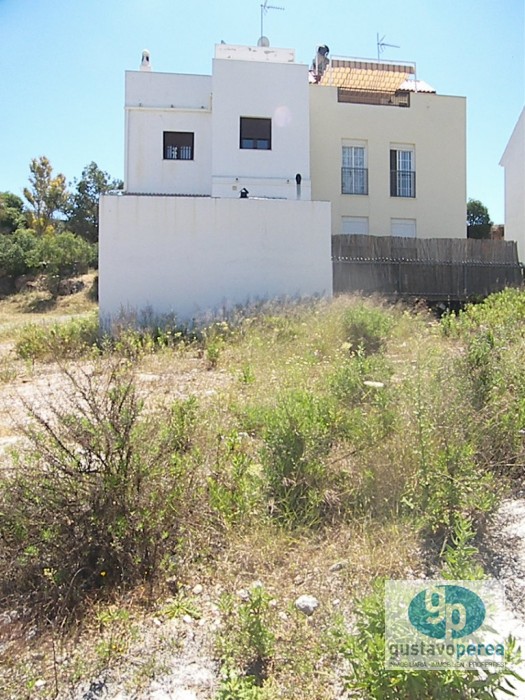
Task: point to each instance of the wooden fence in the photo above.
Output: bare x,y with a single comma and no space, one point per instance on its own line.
432,268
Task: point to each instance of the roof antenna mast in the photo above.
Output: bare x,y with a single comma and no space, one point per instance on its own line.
264,9
381,46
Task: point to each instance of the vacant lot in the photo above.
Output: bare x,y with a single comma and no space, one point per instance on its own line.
168,495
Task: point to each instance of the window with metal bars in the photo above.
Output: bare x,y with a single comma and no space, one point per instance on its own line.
402,173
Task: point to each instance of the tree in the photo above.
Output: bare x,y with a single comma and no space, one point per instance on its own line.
83,203
11,212
477,213
47,195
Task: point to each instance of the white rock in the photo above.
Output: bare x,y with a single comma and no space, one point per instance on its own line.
197,590
188,619
40,683
307,604
243,594
373,385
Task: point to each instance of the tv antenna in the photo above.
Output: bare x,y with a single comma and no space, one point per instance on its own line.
264,9
381,45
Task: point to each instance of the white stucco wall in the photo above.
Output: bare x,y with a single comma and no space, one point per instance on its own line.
434,125
159,102
513,160
257,88
190,255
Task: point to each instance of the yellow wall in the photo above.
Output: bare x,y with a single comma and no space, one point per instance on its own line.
434,124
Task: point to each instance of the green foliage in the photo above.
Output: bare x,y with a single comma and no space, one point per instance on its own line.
365,651
101,499
62,254
55,255
11,213
57,341
298,434
246,644
233,486
236,686
459,554
47,195
17,253
367,328
477,213
82,209
348,381
451,487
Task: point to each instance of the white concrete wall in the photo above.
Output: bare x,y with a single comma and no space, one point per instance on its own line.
434,125
255,88
188,256
159,102
513,161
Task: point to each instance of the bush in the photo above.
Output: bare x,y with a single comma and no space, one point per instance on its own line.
298,434
367,328
100,497
58,341
17,252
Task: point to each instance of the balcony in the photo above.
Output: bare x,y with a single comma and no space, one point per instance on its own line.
402,183
354,180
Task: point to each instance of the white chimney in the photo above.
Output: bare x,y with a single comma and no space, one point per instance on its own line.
145,64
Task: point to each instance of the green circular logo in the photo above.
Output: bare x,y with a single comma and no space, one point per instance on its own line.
446,612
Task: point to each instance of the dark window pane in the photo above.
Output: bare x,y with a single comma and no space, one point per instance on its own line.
178,145
256,133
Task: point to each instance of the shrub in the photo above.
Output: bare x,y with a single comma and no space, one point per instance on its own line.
298,434
367,328
71,339
98,499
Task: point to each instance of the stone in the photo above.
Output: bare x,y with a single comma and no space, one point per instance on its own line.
197,590
40,683
243,594
373,385
307,604
338,566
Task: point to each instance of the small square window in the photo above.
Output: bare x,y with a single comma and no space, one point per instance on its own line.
256,133
178,145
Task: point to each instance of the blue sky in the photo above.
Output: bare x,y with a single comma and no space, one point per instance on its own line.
62,66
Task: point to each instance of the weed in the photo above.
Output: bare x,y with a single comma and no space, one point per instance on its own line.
247,642
71,339
180,606
298,434
367,328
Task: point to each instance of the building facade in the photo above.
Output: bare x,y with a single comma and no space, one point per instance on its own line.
216,209
513,161
234,182
388,152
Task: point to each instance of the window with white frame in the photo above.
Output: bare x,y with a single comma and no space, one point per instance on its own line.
402,171
354,225
354,170
178,145
403,227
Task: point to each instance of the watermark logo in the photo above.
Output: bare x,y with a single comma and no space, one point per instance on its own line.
444,625
446,612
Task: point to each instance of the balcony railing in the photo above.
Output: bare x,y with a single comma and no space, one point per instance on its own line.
354,180
402,183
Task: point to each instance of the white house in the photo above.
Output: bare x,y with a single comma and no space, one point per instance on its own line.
513,161
235,181
183,238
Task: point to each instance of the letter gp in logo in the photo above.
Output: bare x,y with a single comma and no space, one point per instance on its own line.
446,612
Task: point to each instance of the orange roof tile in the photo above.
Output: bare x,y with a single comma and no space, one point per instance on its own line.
366,75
